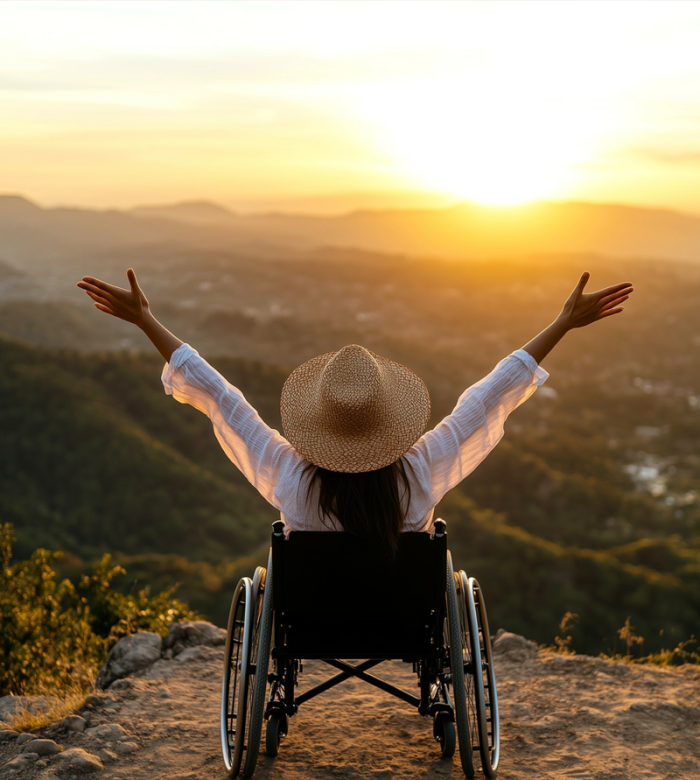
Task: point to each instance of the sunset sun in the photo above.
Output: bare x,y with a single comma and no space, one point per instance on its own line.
490,143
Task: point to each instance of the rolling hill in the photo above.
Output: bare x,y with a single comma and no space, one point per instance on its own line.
34,235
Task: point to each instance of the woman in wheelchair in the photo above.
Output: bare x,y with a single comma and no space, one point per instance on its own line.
356,457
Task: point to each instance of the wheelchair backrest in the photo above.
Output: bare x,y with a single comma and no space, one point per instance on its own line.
336,596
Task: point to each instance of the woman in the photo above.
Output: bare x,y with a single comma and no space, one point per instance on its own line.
355,456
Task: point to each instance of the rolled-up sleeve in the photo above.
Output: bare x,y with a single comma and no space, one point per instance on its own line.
260,452
444,456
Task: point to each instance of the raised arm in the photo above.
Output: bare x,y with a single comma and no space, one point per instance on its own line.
132,306
260,452
444,456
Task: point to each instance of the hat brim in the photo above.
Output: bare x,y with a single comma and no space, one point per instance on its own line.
403,418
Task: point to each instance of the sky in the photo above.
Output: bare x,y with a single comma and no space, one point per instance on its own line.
328,105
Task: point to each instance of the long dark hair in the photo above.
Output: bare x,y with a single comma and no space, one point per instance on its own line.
368,504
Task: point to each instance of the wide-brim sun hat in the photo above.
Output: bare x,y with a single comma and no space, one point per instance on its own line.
353,410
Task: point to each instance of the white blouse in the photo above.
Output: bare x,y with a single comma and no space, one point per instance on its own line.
438,461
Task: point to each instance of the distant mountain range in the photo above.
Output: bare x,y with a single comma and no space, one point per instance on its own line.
464,231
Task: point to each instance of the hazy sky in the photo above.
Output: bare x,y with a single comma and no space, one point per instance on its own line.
119,103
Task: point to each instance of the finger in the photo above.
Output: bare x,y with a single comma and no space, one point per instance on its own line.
582,282
611,304
625,292
110,288
131,276
617,299
99,298
106,309
613,289
91,288
610,308
610,312
109,310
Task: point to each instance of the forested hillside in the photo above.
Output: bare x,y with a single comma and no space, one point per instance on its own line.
96,458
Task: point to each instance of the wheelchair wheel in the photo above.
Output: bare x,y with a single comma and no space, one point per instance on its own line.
463,693
234,687
444,733
489,727
261,659
276,729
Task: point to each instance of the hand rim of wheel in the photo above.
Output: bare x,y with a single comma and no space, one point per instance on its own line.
457,669
257,710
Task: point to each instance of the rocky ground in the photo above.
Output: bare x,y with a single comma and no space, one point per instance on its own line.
562,717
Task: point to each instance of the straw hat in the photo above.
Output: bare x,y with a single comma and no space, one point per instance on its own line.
353,411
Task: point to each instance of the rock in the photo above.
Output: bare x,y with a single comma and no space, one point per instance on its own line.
200,653
43,762
94,700
129,655
121,685
107,755
10,706
190,633
42,747
25,736
6,735
112,732
79,759
74,723
123,748
18,763
513,647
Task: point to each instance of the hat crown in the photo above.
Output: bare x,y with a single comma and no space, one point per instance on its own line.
351,387
353,410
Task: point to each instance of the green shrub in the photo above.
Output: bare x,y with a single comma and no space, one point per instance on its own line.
55,635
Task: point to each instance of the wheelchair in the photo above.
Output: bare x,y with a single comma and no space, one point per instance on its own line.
331,596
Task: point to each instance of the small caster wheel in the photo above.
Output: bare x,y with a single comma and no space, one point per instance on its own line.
276,729
444,733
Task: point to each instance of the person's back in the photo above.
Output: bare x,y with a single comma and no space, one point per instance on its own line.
355,456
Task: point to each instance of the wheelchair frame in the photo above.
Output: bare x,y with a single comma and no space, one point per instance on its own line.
456,665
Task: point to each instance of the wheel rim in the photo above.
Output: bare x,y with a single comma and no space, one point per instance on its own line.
489,677
456,644
469,661
261,660
258,589
234,687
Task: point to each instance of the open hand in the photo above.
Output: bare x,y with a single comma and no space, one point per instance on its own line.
130,305
583,309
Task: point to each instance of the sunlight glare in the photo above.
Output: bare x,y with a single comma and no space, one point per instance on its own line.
487,142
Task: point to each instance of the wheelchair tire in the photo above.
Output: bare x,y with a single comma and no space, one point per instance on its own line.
276,729
487,711
444,733
463,696
258,699
234,686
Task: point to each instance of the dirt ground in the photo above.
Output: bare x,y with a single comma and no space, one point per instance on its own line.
561,717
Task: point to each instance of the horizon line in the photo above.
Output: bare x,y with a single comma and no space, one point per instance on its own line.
345,212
